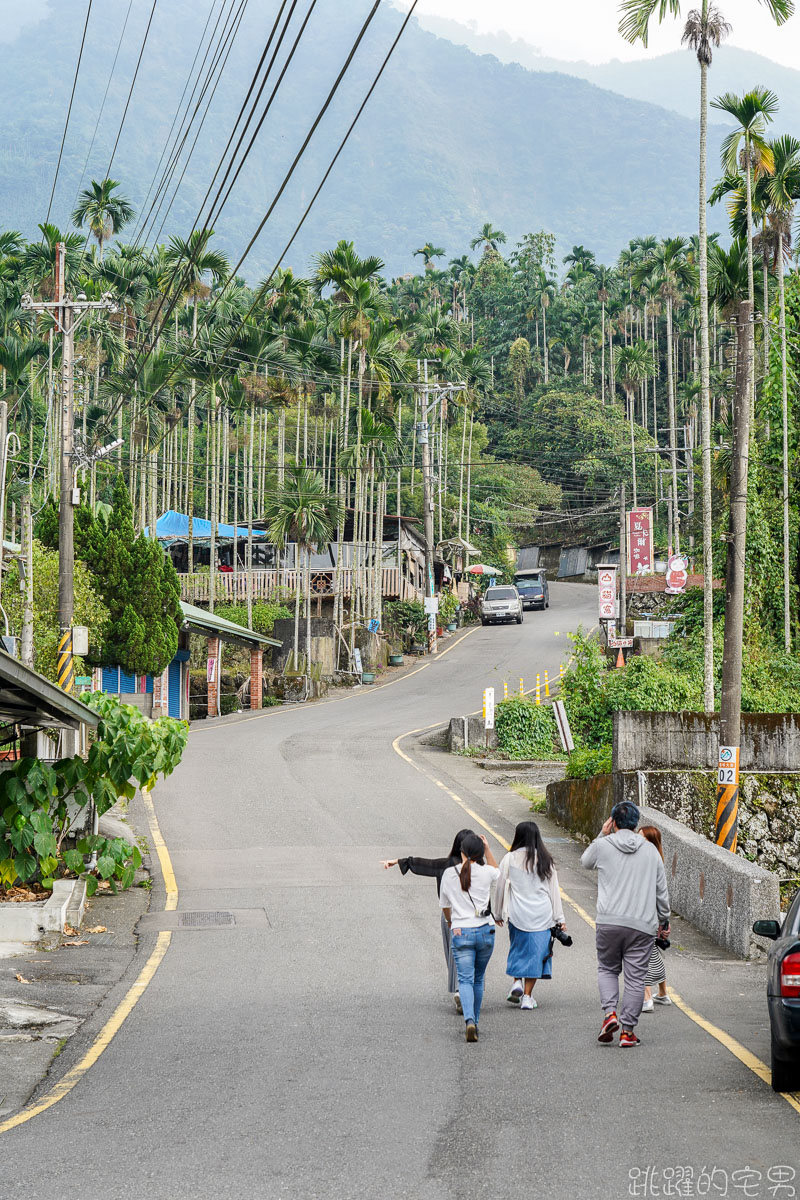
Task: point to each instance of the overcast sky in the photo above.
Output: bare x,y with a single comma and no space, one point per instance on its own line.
587,29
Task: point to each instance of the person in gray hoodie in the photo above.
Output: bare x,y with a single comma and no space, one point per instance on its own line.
632,907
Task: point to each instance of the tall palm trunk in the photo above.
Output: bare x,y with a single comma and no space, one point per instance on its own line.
705,401
673,435
787,633
544,343
249,501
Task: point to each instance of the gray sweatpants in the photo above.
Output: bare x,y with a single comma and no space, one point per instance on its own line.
621,949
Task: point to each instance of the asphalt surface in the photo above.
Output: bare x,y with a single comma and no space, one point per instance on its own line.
319,1056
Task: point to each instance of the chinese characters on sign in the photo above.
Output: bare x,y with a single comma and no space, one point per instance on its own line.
607,593
777,1182
640,541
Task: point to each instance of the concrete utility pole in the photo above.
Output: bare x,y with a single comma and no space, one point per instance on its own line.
67,314
730,710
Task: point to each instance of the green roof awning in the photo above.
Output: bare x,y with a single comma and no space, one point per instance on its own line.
27,698
208,624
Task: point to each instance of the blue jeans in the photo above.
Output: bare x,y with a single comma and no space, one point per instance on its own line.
472,949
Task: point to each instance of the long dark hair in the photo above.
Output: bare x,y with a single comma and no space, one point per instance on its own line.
527,837
474,849
459,838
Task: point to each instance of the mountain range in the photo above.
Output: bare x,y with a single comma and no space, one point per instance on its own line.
669,80
450,138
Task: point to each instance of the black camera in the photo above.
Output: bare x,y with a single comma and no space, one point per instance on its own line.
560,936
663,943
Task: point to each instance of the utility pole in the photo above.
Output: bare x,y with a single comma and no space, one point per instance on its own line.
730,710
427,500
67,314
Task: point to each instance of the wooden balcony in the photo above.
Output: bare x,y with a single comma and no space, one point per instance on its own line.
266,584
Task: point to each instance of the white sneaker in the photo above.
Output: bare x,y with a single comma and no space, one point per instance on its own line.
647,1006
514,995
662,999
528,1002
457,1000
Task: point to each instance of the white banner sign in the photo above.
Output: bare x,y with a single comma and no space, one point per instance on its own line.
606,593
431,604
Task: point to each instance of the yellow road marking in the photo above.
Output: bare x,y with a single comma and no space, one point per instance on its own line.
128,1002
745,1056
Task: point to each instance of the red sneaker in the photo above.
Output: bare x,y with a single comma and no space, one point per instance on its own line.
608,1028
629,1038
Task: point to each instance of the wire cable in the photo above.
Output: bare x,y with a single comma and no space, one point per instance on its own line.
69,110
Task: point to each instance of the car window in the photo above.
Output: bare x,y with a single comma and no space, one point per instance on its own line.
501,593
529,586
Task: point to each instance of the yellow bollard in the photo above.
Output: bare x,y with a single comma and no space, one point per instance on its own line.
505,689
521,688
560,671
538,691
546,684
484,704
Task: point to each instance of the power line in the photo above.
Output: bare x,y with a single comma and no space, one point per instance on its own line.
69,110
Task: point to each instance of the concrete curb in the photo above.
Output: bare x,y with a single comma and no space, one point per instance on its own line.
28,922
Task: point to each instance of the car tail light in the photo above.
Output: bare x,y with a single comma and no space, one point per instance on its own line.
790,976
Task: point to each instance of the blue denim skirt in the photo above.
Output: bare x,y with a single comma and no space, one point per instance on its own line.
530,955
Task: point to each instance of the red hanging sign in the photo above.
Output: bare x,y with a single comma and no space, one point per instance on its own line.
640,541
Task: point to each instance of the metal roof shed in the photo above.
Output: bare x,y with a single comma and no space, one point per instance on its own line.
217,630
27,698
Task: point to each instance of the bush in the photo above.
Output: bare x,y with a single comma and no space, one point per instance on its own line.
585,762
524,729
265,614
406,617
448,604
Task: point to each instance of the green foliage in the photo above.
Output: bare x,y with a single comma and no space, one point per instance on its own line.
89,608
585,761
406,617
138,584
127,751
448,604
524,729
583,691
265,614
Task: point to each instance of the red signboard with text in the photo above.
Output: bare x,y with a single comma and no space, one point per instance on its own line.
640,541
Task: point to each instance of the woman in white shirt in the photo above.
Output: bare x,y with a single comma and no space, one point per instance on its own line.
464,899
528,897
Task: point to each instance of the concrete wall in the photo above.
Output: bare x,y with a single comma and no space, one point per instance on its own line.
689,741
722,894
465,732
141,700
323,644
769,810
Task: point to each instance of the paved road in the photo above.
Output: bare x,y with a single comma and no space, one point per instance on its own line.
319,1056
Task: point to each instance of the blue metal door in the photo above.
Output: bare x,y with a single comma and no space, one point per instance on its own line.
127,683
110,680
174,689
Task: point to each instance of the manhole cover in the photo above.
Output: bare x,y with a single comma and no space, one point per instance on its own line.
199,920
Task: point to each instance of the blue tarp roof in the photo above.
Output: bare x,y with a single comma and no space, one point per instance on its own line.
174,527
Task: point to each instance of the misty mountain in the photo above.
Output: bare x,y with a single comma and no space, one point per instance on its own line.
449,140
669,80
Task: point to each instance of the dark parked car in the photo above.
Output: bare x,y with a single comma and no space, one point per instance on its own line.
783,996
533,589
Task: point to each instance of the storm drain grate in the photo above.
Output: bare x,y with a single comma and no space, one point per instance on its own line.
200,920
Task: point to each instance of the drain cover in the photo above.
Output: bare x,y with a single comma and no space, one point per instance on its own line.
200,920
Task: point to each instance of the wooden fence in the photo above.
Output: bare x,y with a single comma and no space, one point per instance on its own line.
266,584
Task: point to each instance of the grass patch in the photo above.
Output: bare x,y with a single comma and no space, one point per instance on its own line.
536,797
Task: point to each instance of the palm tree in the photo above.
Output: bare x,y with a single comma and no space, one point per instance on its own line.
304,513
746,148
784,192
429,252
104,212
188,264
673,274
634,366
489,238
704,30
